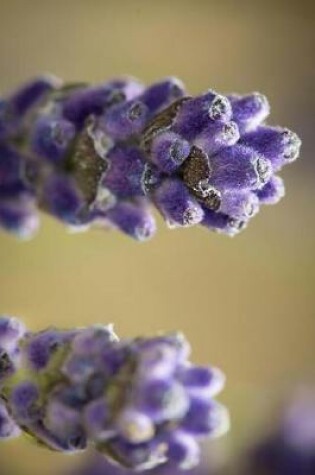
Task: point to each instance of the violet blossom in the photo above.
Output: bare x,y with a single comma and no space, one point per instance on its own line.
103,155
140,402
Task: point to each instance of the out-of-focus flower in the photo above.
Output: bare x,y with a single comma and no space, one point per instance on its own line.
290,448
97,465
140,402
102,155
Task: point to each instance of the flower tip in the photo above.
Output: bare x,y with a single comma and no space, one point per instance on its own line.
221,421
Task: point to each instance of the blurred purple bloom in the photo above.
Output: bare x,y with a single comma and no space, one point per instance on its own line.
290,448
98,465
140,402
87,154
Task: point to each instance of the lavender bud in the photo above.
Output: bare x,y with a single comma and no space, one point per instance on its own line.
33,92
163,400
163,93
22,401
51,138
204,418
217,136
249,111
42,346
159,359
19,216
272,191
177,205
135,427
239,204
183,451
222,223
126,166
87,101
62,198
125,120
280,146
94,100
202,381
11,330
65,423
197,113
169,151
133,219
239,168
97,420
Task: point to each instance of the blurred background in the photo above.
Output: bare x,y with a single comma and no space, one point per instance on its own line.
246,304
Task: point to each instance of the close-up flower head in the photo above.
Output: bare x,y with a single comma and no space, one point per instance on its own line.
140,402
103,155
173,120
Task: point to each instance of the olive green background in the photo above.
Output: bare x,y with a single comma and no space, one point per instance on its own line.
247,303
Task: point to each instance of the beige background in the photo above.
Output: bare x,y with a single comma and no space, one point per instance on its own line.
246,304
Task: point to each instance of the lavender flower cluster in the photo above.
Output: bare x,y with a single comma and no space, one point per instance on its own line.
101,155
140,402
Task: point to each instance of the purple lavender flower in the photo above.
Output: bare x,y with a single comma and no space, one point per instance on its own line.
140,402
290,448
102,155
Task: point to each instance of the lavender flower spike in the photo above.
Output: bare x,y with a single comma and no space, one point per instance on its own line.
103,155
140,402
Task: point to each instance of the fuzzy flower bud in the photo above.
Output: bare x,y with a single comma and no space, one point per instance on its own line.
139,402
